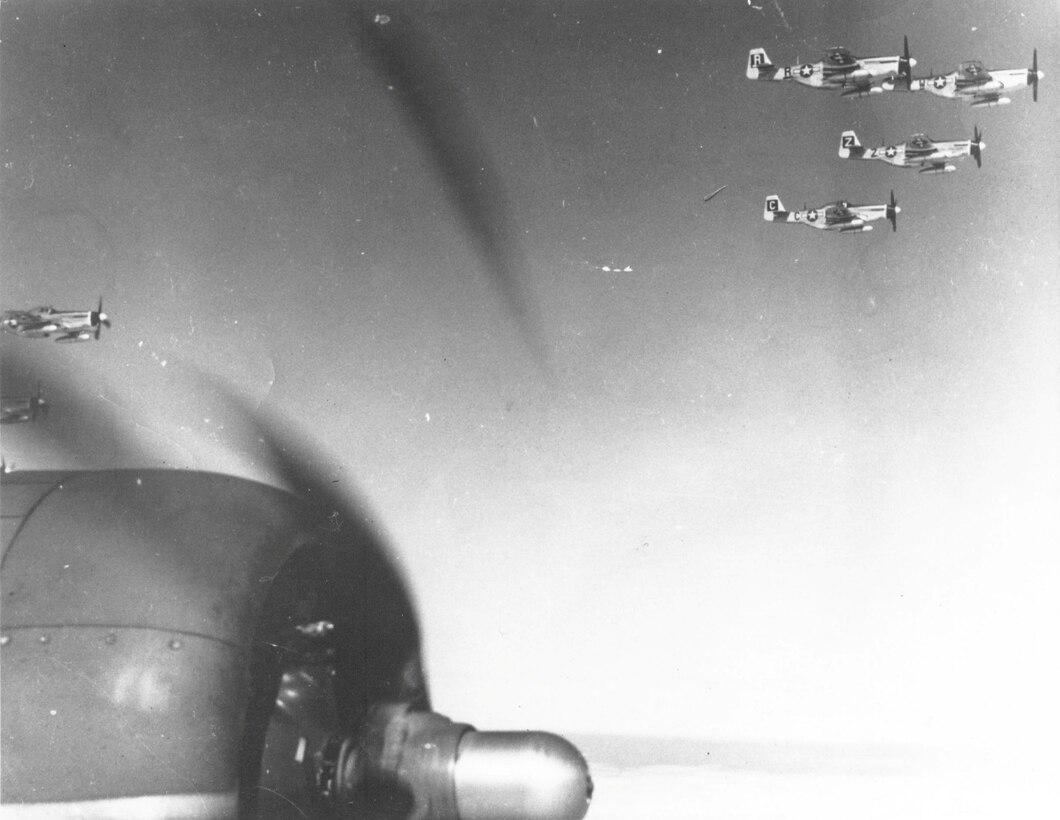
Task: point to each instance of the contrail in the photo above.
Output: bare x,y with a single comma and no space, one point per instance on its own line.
780,11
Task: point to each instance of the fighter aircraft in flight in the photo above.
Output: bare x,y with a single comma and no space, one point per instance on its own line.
18,409
839,69
64,325
836,216
974,83
921,151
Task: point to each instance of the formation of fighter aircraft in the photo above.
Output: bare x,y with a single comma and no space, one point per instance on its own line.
839,69
63,325
921,151
975,84
836,216
862,76
17,409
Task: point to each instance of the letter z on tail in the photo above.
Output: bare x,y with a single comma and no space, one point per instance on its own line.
850,146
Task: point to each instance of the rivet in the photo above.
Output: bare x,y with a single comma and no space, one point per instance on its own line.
176,644
44,639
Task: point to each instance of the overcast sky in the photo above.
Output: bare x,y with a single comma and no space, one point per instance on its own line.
769,483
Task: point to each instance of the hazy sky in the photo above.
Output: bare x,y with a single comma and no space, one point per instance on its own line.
770,483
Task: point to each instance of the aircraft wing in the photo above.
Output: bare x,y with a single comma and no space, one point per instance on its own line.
30,324
858,81
12,416
980,97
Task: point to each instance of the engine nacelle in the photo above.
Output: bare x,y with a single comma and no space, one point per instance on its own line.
179,644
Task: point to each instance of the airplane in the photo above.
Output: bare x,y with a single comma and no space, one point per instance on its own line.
920,151
836,216
65,325
22,408
974,83
855,76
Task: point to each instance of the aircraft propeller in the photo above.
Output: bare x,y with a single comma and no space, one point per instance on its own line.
905,65
98,319
1032,76
977,146
892,212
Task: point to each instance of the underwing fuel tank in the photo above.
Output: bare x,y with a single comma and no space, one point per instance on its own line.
932,170
194,645
859,93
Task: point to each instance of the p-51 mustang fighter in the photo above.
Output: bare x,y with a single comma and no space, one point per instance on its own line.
921,151
65,325
976,84
836,216
22,408
854,76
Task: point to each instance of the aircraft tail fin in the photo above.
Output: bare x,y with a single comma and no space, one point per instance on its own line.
850,145
758,63
774,210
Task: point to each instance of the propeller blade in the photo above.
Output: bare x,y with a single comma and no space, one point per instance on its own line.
1033,76
99,319
977,146
892,212
905,65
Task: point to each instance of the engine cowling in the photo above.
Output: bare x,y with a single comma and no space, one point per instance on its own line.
221,644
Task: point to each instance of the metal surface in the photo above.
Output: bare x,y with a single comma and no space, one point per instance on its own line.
526,775
179,644
130,601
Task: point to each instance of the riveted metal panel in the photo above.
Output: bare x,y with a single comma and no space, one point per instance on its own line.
182,551
20,494
93,713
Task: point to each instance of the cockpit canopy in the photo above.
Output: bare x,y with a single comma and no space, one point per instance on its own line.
972,70
921,141
839,57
